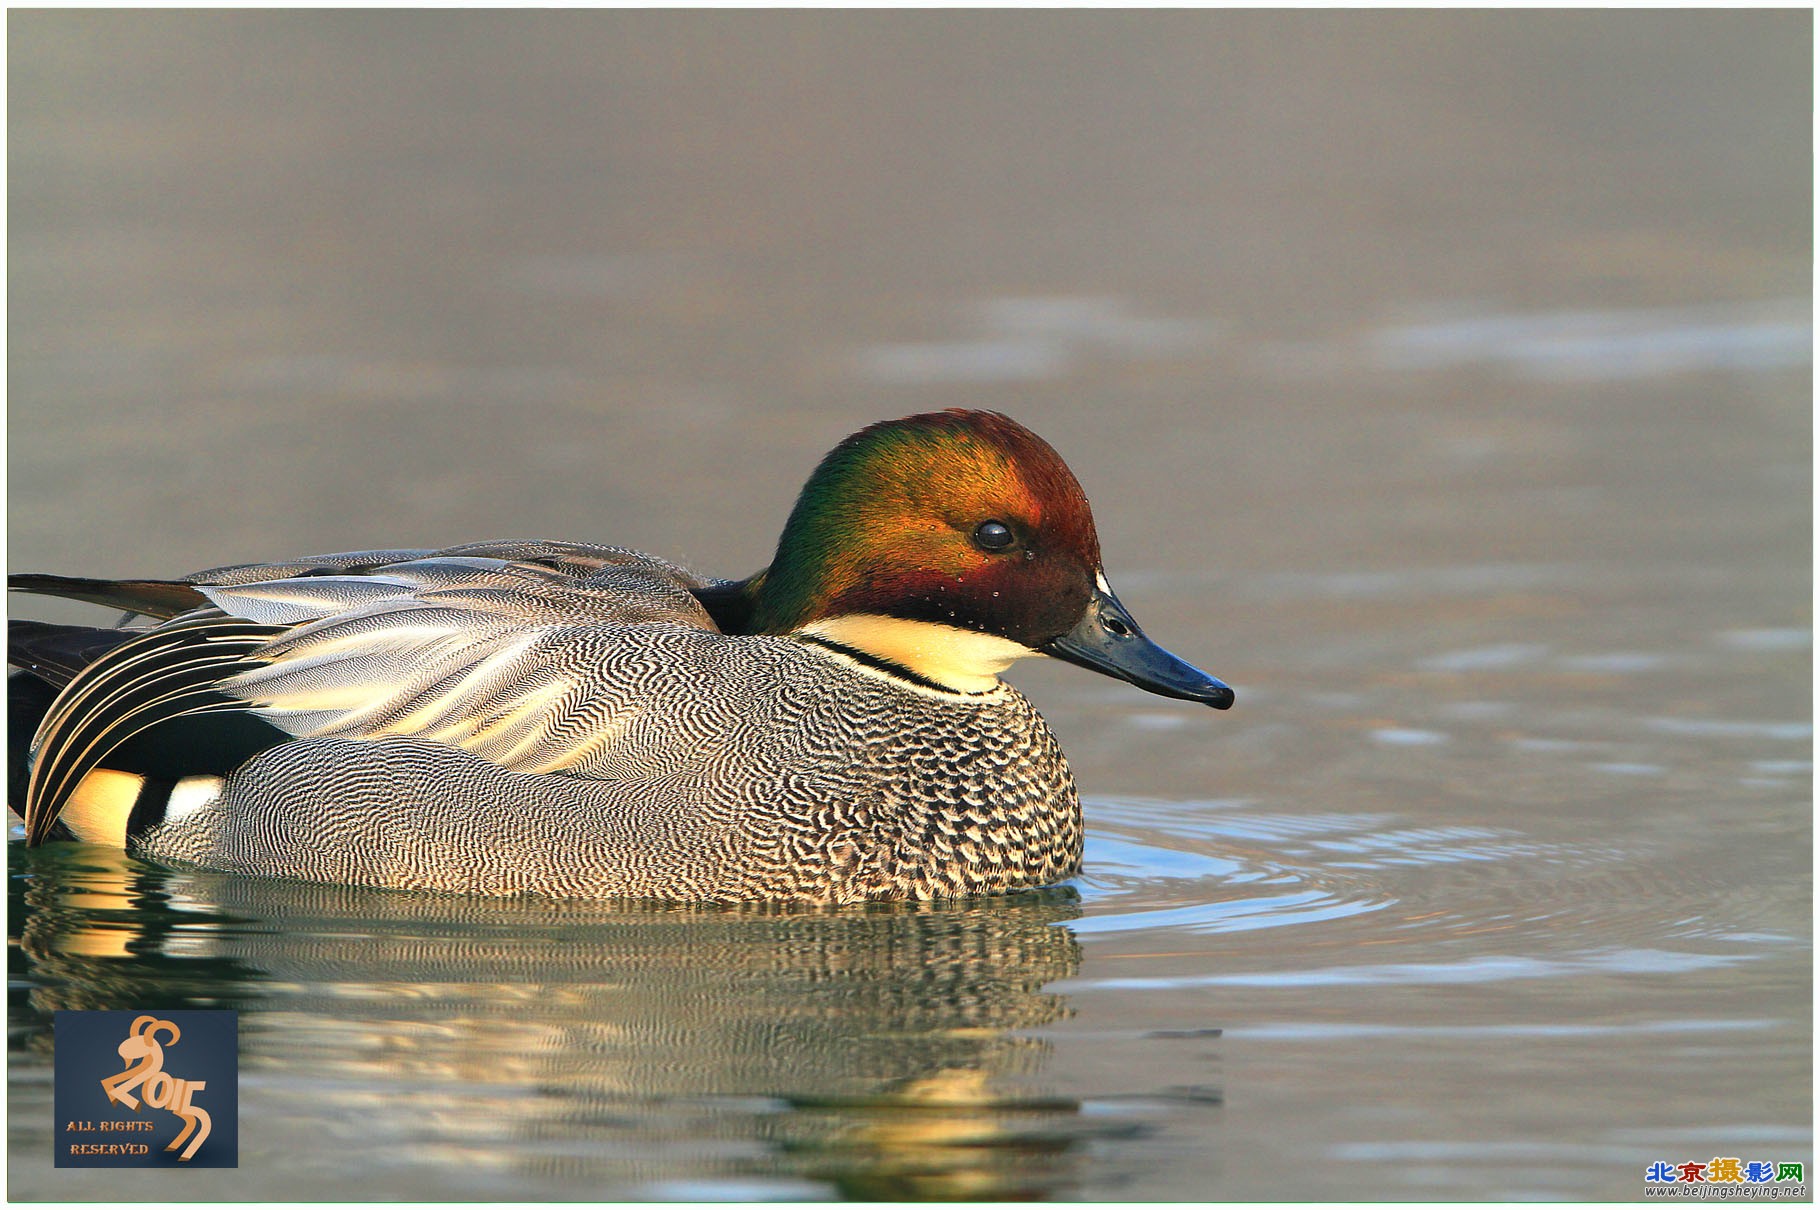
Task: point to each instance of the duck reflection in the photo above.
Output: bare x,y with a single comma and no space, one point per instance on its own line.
664,1051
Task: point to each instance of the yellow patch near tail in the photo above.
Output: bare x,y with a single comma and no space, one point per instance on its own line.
101,809
101,806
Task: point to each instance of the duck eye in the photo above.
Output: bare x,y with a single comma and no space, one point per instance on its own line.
993,535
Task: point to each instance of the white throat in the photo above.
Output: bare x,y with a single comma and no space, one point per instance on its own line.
965,661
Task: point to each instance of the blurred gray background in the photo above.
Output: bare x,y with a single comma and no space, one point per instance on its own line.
285,282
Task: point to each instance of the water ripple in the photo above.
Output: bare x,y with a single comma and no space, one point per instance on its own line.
1234,915
1479,968
1438,893
1208,875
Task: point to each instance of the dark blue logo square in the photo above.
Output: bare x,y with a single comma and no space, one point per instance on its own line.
147,1089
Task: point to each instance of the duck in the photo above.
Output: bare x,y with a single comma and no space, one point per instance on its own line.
586,721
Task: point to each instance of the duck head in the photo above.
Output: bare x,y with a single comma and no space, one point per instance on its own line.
948,545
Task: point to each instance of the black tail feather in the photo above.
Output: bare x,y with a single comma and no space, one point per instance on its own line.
55,654
28,700
153,598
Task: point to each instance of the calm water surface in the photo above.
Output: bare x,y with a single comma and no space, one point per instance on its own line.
1441,382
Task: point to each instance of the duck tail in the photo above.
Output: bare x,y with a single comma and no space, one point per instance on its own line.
137,732
112,806
152,598
55,655
28,700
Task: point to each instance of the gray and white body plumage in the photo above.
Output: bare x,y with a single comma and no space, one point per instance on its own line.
568,720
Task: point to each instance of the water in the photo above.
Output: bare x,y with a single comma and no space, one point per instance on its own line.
1462,425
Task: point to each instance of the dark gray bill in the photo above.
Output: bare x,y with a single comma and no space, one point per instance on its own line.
1107,640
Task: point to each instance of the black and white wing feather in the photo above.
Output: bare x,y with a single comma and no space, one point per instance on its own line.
530,668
